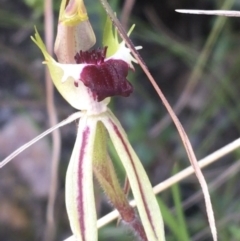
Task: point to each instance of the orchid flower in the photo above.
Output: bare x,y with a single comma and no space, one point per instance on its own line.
87,80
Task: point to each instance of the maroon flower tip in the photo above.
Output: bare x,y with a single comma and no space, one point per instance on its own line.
91,57
107,79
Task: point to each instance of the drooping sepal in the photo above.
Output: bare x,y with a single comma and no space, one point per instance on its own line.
147,205
79,184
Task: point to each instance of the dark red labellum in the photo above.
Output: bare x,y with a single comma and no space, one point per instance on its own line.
104,79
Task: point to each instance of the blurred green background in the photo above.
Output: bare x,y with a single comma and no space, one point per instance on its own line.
195,61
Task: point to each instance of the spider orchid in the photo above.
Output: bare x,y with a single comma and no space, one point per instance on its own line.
87,80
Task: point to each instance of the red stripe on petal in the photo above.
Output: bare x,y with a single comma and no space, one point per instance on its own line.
138,179
80,207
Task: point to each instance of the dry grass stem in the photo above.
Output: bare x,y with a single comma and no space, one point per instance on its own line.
53,120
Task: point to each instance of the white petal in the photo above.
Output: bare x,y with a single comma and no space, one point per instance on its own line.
71,70
124,53
64,77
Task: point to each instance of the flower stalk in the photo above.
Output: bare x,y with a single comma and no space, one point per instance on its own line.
107,178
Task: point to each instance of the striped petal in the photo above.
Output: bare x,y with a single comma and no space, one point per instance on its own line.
147,205
79,184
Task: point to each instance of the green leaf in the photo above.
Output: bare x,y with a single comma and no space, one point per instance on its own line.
182,227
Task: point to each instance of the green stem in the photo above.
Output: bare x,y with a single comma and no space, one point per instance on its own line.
105,174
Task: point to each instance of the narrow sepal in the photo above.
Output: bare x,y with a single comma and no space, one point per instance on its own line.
147,205
110,38
79,184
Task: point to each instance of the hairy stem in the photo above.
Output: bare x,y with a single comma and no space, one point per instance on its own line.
107,178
